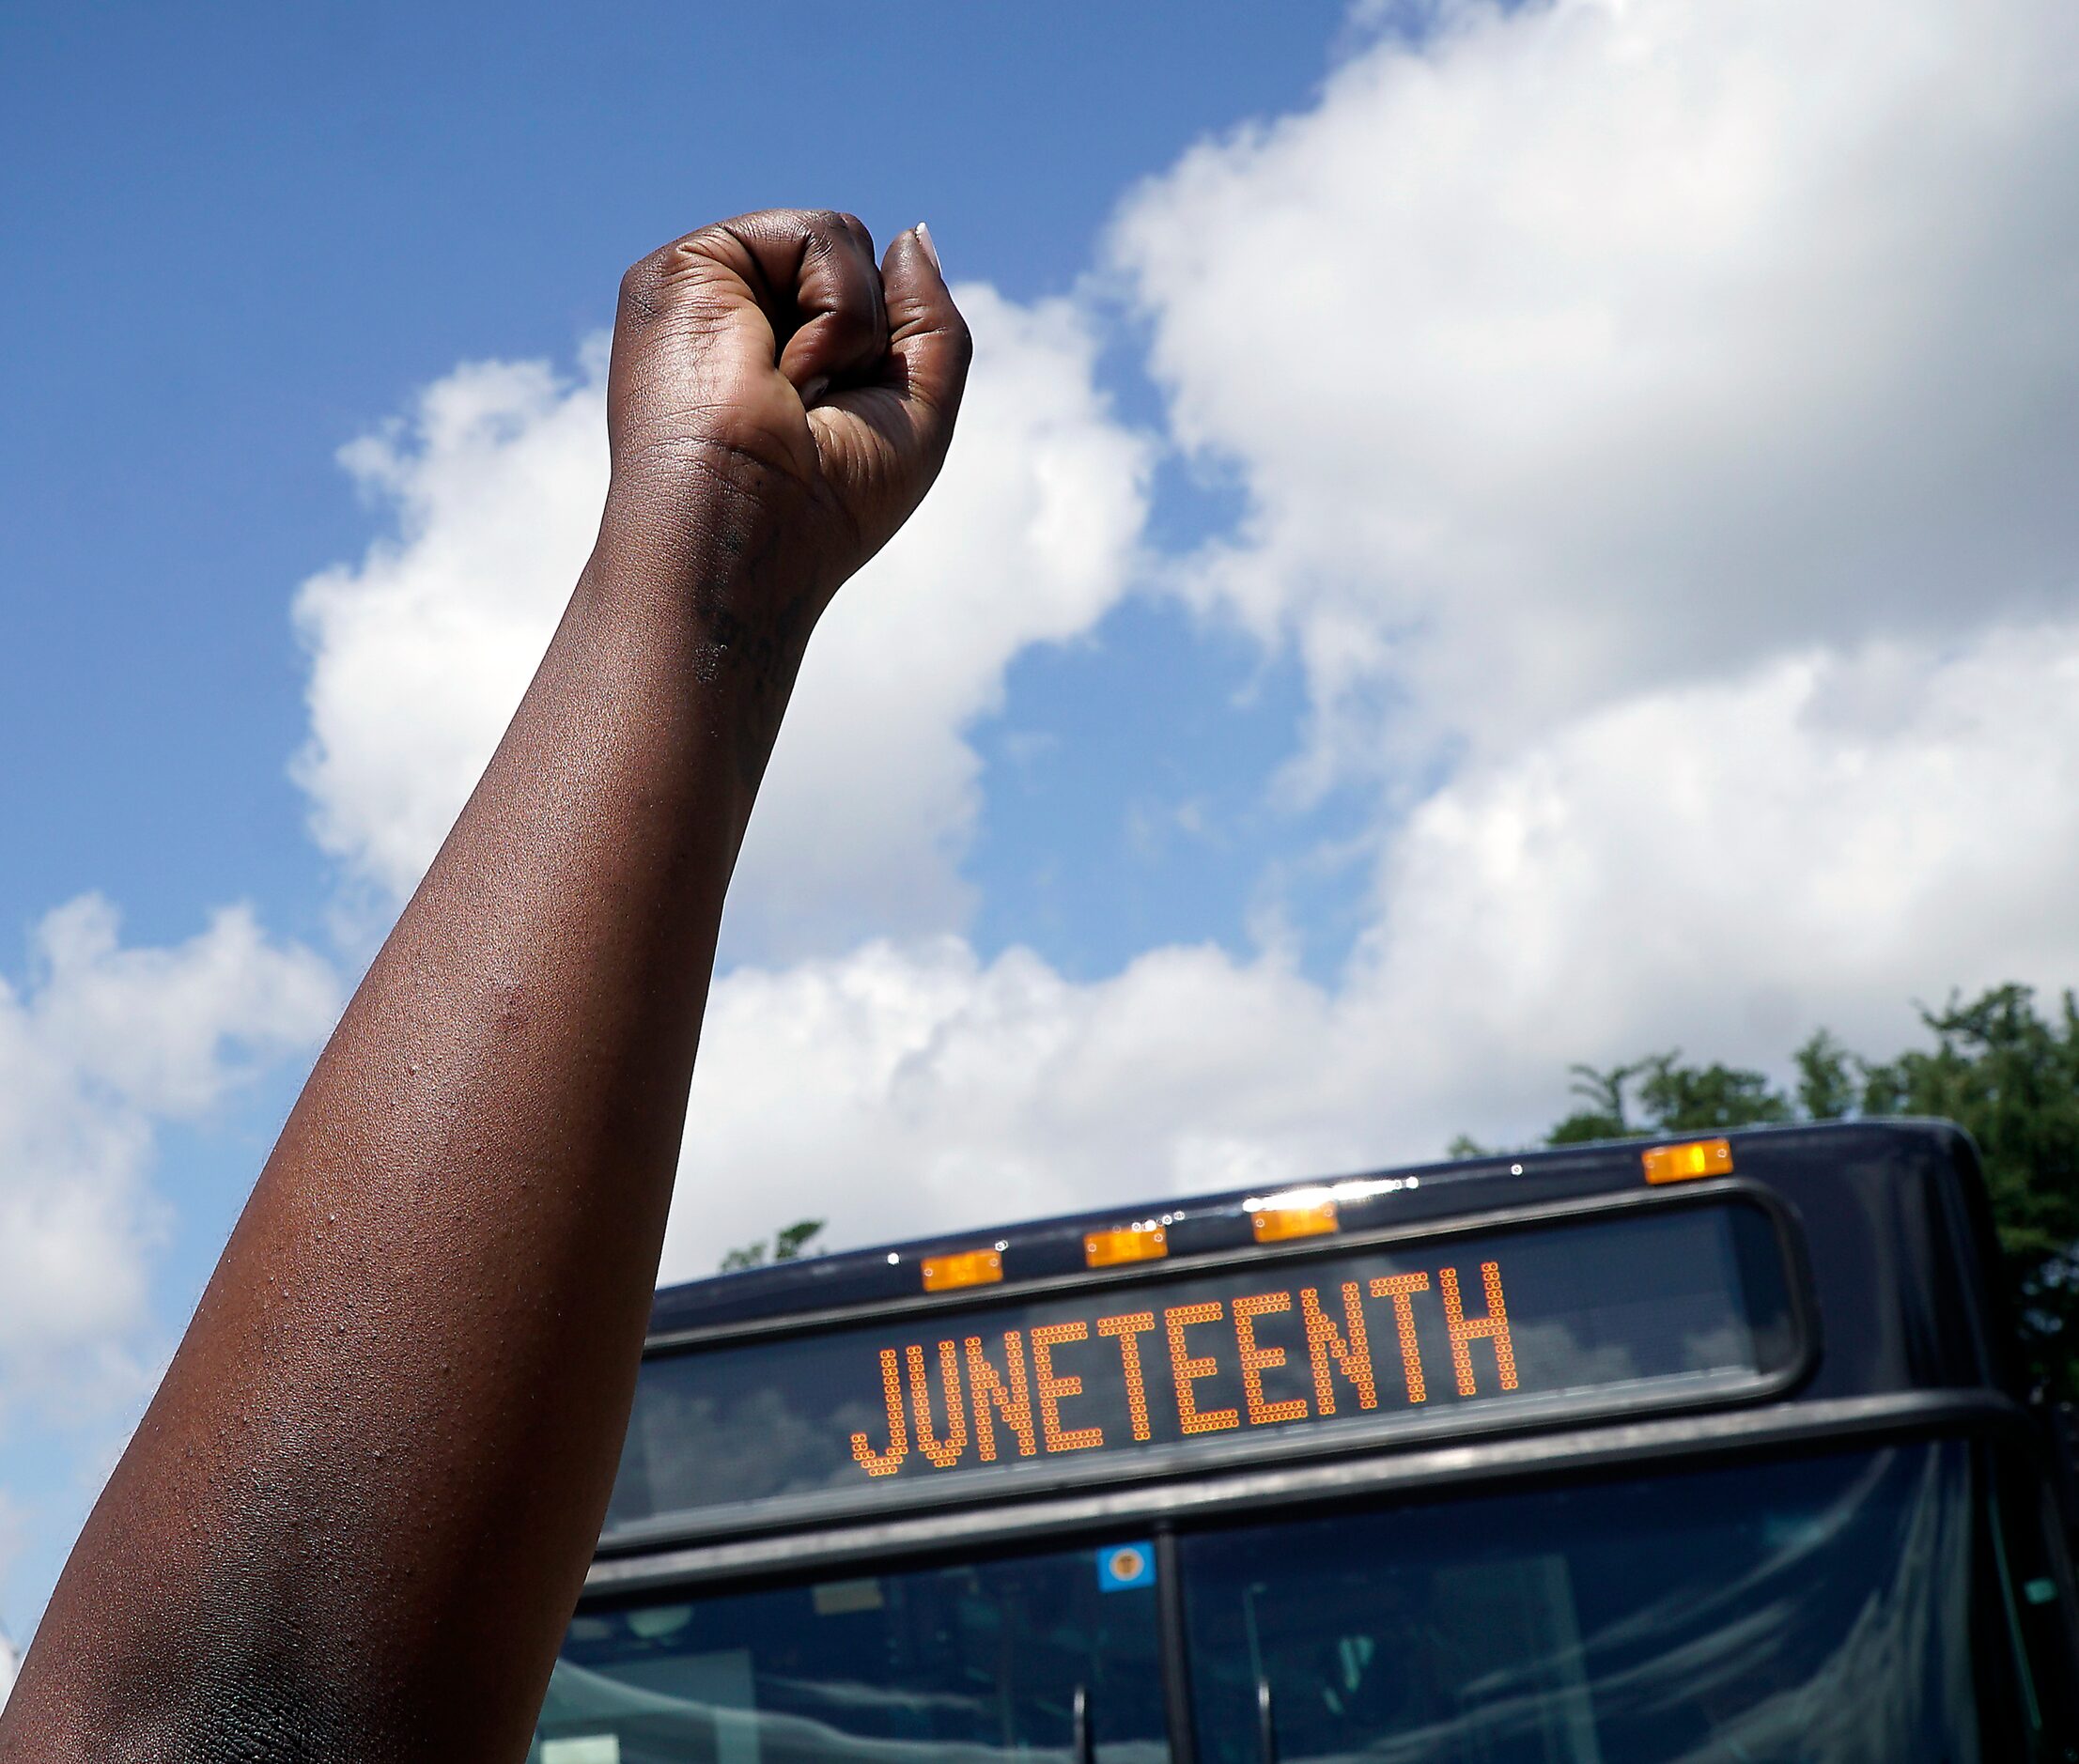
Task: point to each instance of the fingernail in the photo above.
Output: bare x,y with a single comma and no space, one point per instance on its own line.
931,251
814,389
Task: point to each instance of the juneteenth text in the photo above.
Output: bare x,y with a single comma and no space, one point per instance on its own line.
1019,1393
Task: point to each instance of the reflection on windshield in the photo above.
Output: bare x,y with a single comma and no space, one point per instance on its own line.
972,1665
1811,1611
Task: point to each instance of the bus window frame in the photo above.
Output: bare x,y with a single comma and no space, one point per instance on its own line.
1184,1462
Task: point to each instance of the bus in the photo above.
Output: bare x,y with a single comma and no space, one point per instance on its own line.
1709,1451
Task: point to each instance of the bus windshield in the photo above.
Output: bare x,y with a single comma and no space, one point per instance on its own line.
1812,1609
1816,1610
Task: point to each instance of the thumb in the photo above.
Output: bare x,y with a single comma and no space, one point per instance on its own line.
929,345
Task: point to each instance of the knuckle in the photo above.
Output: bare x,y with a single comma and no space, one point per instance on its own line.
702,241
751,220
833,233
642,284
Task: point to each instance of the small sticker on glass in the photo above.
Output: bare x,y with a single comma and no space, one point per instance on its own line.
1122,1567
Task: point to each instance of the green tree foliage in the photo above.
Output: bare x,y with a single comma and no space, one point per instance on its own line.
1999,1068
787,1245
1827,1086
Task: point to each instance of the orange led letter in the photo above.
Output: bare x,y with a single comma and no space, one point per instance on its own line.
1352,1354
1397,1287
1256,1359
1178,1318
1051,1389
1495,1324
1127,1328
945,1453
985,1384
884,1463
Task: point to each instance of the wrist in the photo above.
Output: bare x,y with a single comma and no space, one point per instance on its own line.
723,527
700,610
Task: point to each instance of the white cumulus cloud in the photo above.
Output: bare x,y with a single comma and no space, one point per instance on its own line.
1721,867
103,1042
1577,346
1670,411
899,1090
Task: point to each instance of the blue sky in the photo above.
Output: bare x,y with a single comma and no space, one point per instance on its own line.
1484,537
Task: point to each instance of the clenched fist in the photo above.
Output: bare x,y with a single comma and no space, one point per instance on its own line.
779,404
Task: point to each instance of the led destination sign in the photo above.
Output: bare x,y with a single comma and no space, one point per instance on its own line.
1664,1302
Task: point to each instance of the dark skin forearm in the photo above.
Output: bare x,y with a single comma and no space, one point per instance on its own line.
457,1231
356,1517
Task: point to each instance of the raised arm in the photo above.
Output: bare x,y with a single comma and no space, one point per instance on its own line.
356,1516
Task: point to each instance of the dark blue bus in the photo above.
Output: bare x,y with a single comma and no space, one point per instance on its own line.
1616,1454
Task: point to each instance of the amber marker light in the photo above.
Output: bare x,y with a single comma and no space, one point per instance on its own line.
970,1267
1276,1220
1146,1242
1687,1161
